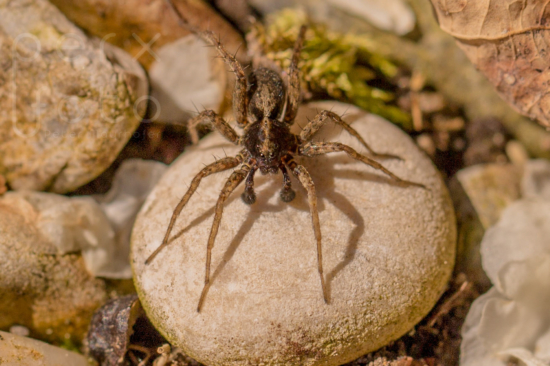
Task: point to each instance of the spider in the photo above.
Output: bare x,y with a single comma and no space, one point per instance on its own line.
259,102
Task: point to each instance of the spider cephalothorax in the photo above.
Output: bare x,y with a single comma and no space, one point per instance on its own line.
266,108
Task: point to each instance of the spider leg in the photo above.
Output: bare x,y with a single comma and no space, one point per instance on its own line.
248,196
234,180
294,89
320,119
216,122
216,167
319,148
287,193
240,96
255,48
303,176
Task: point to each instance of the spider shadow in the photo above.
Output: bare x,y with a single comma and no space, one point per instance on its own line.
261,201
325,188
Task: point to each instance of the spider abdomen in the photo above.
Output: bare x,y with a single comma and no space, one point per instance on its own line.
267,94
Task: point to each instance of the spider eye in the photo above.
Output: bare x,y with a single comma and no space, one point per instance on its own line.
262,155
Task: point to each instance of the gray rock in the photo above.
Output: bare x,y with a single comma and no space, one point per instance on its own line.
69,104
388,254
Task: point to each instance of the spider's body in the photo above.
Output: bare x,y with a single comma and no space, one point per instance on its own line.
268,139
265,107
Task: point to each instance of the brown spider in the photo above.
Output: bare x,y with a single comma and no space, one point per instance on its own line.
268,145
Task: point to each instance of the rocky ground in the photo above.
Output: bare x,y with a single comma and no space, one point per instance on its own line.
97,99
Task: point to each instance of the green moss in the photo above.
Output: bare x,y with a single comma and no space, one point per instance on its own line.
70,345
338,65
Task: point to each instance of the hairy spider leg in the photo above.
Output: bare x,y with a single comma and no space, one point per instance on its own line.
287,193
240,95
319,148
294,89
234,180
303,176
216,122
216,167
248,196
320,119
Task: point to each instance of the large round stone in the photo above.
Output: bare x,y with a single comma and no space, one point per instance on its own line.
388,252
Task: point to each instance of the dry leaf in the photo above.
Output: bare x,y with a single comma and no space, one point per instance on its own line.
509,41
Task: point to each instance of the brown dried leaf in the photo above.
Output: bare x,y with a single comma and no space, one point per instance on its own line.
509,41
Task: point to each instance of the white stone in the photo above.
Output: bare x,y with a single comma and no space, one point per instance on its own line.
201,79
390,15
21,351
388,253
132,183
75,224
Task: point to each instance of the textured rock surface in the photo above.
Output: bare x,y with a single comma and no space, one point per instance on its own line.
50,293
181,69
21,351
388,253
68,103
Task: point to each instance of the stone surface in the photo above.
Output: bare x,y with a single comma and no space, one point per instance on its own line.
388,253
536,179
480,194
491,188
133,181
50,293
182,71
74,225
186,74
390,15
69,103
21,351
